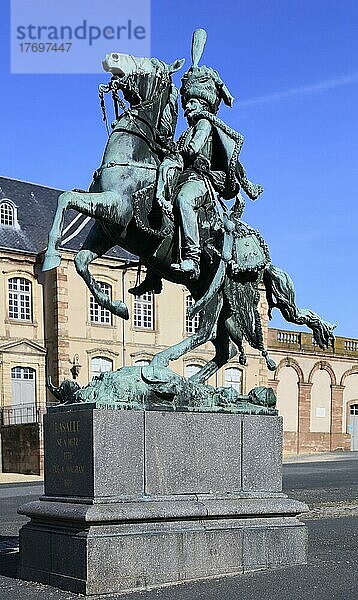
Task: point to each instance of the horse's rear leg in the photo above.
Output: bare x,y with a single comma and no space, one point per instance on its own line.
87,203
225,350
95,246
201,336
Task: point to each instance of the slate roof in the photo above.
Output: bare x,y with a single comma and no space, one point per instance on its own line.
36,205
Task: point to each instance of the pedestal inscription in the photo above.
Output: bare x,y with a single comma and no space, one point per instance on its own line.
90,456
68,442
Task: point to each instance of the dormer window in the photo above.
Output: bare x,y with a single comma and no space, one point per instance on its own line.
8,214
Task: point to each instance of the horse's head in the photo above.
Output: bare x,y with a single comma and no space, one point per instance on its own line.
126,64
147,85
140,79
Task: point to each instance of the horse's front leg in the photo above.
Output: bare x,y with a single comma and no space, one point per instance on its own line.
87,203
205,332
52,256
225,350
82,261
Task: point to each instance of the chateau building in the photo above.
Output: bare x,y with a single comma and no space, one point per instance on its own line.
317,391
51,326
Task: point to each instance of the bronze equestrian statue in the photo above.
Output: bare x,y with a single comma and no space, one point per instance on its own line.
164,201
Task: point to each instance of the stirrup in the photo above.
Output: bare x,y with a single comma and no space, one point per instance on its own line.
188,266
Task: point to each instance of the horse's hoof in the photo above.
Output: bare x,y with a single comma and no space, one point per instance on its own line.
52,261
121,309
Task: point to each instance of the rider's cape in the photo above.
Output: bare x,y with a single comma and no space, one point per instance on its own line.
227,144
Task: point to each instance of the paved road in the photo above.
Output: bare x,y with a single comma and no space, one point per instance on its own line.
329,481
331,573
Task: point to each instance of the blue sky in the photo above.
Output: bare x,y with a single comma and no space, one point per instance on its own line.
293,69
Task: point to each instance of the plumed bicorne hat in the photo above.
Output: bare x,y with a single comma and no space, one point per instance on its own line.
203,82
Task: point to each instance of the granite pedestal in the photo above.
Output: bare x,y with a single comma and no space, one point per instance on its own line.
135,500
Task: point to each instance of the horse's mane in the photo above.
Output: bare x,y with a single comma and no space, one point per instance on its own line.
168,121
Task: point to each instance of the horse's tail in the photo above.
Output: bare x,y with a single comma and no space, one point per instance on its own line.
280,293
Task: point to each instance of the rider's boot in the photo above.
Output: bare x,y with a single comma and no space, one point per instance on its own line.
190,263
151,283
190,251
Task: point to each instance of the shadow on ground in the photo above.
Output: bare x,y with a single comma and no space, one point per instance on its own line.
9,555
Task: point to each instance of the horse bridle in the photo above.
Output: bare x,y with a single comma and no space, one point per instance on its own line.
113,87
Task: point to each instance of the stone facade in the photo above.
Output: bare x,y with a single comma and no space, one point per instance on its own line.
315,390
22,366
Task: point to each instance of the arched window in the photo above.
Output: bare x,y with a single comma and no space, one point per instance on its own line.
353,409
191,325
23,410
142,363
191,369
143,311
233,378
20,299
100,364
98,314
7,216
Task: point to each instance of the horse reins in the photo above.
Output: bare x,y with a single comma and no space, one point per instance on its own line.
113,87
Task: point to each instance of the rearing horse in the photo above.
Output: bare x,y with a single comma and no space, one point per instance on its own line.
129,163
140,138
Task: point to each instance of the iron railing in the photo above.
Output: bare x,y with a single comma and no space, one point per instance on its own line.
19,414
